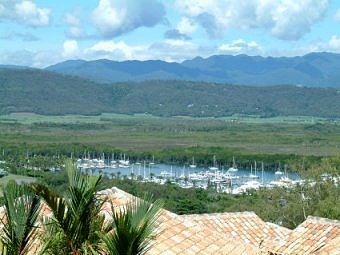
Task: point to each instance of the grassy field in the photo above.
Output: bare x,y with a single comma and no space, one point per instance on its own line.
280,135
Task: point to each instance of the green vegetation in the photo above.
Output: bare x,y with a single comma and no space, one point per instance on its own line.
170,139
133,228
49,93
32,144
287,207
21,216
77,226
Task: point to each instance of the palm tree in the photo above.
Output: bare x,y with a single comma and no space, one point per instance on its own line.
75,226
22,208
132,228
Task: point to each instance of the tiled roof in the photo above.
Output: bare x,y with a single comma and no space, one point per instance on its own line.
241,233
314,236
180,235
245,226
332,247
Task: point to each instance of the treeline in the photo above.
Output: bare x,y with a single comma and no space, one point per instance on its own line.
203,156
54,94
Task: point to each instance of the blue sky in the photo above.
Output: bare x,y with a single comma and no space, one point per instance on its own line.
43,32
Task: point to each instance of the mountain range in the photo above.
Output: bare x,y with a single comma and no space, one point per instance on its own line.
312,70
49,93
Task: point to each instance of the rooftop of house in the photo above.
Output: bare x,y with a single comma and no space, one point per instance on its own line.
238,233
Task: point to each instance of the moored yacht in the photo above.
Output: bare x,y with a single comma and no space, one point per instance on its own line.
193,165
234,167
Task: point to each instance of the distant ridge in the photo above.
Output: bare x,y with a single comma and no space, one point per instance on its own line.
312,70
49,93
14,67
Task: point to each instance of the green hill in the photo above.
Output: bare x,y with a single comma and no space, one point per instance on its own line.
48,93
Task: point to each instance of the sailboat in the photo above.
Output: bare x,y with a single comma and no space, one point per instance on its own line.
234,167
124,163
153,161
262,173
113,162
213,168
193,163
279,172
253,176
285,179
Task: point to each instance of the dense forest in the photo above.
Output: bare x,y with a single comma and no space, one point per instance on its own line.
53,94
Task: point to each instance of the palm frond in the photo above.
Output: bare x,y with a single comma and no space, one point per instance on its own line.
75,212
133,227
22,209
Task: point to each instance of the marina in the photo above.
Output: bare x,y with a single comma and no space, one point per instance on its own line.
227,179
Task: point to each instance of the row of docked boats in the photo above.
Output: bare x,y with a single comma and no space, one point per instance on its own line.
224,180
102,162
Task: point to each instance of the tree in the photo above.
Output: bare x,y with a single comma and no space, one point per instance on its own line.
76,223
133,228
22,208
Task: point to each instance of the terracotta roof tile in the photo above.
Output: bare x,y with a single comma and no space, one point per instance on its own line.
314,236
246,226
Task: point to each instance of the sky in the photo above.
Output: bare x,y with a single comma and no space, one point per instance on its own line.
44,32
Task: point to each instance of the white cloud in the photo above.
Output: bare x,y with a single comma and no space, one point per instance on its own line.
284,19
173,50
70,49
167,50
240,47
25,12
113,18
186,26
115,50
337,15
30,14
75,27
37,59
330,45
293,19
334,43
43,59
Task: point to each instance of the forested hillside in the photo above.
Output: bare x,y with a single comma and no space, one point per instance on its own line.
49,93
312,70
